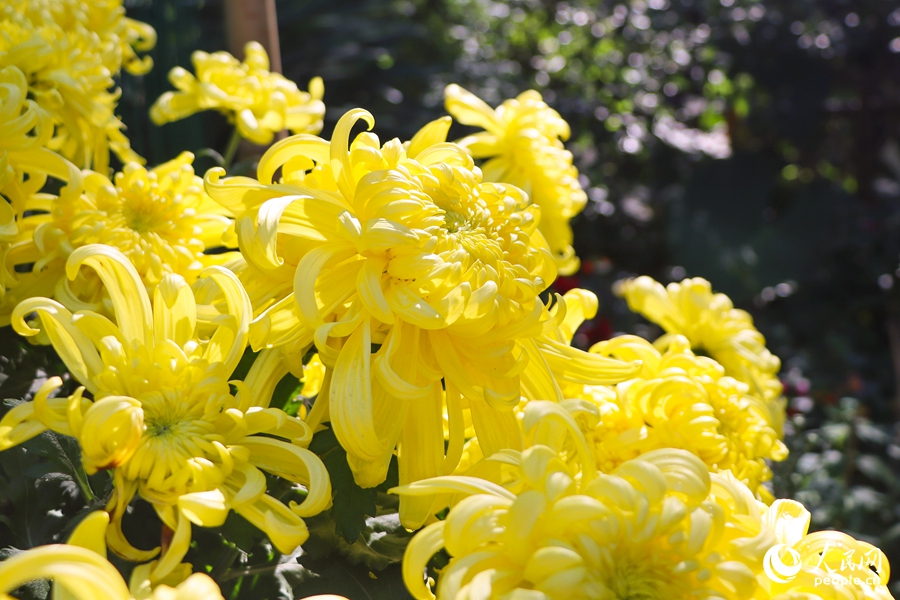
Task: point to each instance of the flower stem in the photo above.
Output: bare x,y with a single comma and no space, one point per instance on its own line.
226,559
236,574
84,484
233,144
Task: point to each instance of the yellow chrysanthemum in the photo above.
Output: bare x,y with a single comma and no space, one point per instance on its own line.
163,416
522,142
106,19
715,328
69,77
681,401
822,565
659,527
678,401
406,271
539,525
79,571
258,102
161,219
712,325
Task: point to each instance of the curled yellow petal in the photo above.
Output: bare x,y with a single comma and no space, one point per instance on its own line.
174,311
91,533
294,464
284,528
340,149
126,290
83,573
418,553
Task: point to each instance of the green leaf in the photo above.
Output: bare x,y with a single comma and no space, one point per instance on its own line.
287,395
242,533
324,441
240,372
290,574
352,581
381,544
36,510
351,503
323,538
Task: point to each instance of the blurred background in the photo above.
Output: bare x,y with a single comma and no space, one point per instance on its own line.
753,143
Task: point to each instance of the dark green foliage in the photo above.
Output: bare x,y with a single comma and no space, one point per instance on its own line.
352,504
43,488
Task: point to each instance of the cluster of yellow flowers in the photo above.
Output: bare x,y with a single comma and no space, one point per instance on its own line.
658,526
419,280
163,418
161,219
57,104
403,246
69,51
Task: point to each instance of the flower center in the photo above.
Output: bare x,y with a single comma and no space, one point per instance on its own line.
467,222
178,450
639,581
145,212
454,222
170,418
162,429
638,572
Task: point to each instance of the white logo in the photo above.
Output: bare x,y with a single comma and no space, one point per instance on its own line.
776,569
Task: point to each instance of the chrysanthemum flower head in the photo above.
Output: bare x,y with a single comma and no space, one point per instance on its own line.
160,218
259,102
676,400
407,271
820,565
70,77
711,324
79,571
681,401
714,328
522,143
658,527
162,415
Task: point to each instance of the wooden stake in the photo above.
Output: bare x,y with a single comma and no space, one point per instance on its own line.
253,21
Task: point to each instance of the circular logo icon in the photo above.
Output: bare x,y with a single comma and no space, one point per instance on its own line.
776,569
